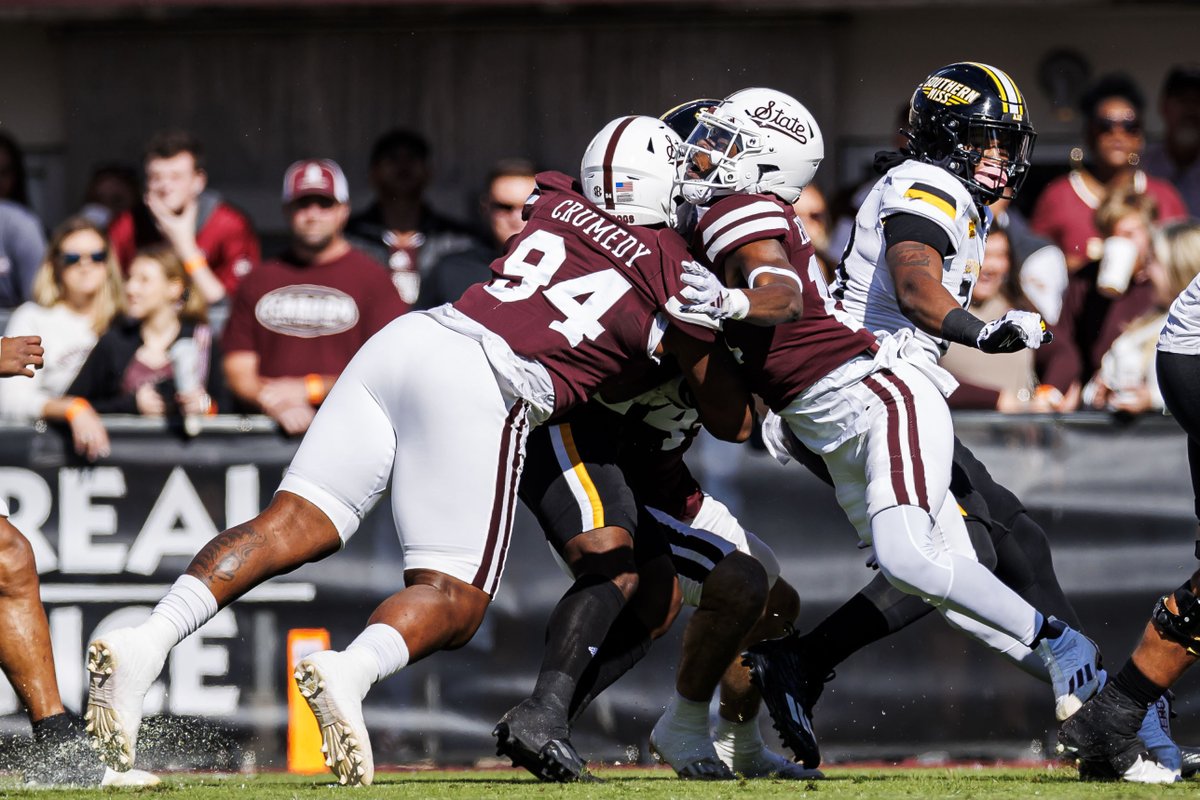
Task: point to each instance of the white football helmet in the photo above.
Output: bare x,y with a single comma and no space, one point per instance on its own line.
629,170
757,141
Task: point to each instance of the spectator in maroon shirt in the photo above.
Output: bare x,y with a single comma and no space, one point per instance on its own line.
213,239
297,320
1091,320
1065,211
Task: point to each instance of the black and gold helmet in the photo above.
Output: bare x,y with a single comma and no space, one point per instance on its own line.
963,110
683,118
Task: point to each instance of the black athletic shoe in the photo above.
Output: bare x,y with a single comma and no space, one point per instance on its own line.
789,691
537,741
60,754
1191,761
1104,731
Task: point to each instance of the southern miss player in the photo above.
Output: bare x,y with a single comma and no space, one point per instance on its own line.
443,401
1106,729
910,267
875,411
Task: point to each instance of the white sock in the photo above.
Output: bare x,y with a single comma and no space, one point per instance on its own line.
691,715
188,605
742,738
381,650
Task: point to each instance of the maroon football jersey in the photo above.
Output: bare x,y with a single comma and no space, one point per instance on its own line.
782,361
579,291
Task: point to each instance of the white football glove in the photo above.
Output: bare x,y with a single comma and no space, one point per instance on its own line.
707,295
1015,331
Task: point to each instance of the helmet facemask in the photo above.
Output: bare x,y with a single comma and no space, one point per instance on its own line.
992,158
711,155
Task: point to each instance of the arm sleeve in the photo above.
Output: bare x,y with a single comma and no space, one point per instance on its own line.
99,382
906,227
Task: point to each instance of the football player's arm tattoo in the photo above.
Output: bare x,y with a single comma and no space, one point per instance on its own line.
220,559
916,271
774,297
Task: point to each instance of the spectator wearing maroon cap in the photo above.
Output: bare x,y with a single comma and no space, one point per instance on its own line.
1177,157
297,320
214,240
1066,210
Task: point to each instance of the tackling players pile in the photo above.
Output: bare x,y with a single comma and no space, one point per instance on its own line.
655,294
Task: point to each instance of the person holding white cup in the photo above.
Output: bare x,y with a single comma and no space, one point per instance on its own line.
1102,297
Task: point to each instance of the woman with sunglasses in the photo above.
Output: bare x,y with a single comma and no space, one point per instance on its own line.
137,366
77,293
1113,135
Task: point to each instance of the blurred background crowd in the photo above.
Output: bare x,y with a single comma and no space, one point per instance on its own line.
159,294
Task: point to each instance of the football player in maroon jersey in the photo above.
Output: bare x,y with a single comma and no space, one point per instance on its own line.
442,400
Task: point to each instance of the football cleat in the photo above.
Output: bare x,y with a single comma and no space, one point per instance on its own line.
1189,761
1073,662
763,763
1147,770
1155,733
536,740
133,777
335,689
689,752
121,667
1104,731
789,691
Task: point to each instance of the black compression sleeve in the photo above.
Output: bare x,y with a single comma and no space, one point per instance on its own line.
914,228
962,326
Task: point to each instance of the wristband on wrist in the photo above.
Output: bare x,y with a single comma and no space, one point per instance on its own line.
962,326
76,408
195,263
739,304
314,384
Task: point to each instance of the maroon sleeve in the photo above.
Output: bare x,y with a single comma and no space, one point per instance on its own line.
238,243
969,396
737,220
674,253
239,328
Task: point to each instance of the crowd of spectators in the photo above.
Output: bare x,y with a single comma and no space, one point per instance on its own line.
155,299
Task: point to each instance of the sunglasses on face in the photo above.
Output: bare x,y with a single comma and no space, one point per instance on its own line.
313,200
71,259
1106,125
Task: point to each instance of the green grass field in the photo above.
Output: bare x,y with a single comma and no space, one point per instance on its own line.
1050,782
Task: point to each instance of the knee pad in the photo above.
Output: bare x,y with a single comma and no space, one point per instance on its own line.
1182,627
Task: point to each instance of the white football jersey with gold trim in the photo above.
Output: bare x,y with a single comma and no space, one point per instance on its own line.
863,282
